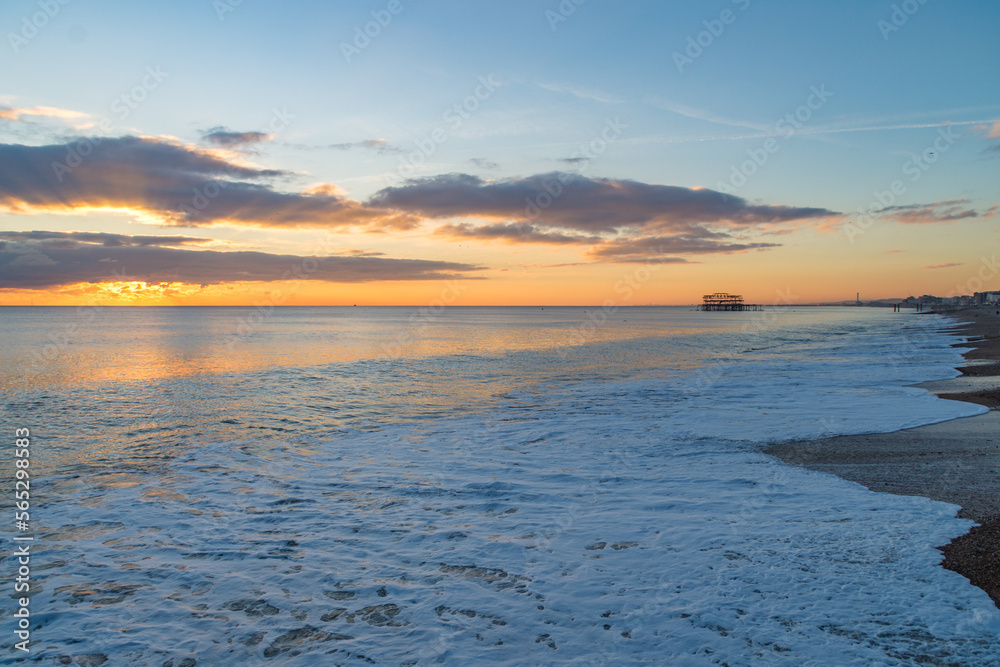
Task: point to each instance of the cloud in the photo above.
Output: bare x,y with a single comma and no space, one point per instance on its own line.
589,205
360,253
623,220
942,266
41,260
483,163
951,210
708,116
581,93
175,184
220,136
12,114
377,145
661,249
519,232
805,131
105,239
992,131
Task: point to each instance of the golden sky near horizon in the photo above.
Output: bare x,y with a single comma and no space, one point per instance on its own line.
514,160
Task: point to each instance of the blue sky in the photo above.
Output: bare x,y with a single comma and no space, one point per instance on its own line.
557,75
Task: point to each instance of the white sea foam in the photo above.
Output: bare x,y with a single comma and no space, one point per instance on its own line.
586,523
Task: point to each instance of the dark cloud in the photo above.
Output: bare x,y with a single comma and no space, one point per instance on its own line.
659,249
574,160
624,220
103,238
516,232
183,186
483,163
950,210
941,266
39,260
177,184
590,205
221,136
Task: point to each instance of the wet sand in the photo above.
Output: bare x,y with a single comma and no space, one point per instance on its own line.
956,461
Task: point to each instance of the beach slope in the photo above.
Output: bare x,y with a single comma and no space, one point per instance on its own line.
956,461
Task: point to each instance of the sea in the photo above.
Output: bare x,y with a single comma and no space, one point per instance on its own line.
464,486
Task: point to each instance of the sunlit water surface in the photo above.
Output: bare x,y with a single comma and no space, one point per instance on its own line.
501,485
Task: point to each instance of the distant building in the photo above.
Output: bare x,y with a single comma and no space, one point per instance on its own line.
950,302
929,300
982,298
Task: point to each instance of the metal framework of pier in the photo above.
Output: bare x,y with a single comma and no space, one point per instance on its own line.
729,302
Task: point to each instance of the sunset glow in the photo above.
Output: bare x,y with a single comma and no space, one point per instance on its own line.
540,177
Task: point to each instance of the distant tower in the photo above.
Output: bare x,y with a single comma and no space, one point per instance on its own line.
859,298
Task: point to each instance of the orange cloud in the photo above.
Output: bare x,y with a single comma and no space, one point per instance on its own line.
12,114
991,131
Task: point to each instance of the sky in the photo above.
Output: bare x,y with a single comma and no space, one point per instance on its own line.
529,152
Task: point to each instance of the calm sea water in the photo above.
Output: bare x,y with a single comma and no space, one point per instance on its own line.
501,485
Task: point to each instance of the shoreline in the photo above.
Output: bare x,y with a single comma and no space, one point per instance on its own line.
956,461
